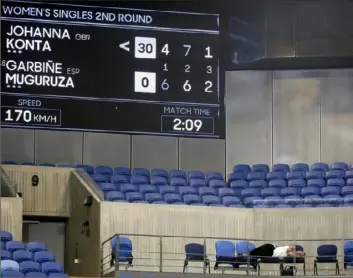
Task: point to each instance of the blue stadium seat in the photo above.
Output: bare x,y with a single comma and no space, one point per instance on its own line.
47,165
276,176
243,248
153,197
6,255
258,184
146,188
252,201
256,176
211,200
7,162
329,190
345,205
158,181
226,191
206,191
5,236
336,182
178,182
290,191
184,190
160,173
323,205
88,169
267,192
29,266
313,199
51,267
323,167
225,253
117,179
9,265
103,170
277,184
197,183
107,186
300,183
35,274
167,189
22,256
61,275
139,202
280,167
125,171
100,178
348,174
141,172
282,206
138,180
177,174
260,168
347,190
113,196
214,176
172,198
333,199
13,246
237,206
230,200
127,187
43,256
300,167
242,184
125,250
326,254
196,175
242,168
196,253
293,200
316,183
307,191
159,203
216,184
11,273
349,182
335,174
348,199
237,176
65,165
251,192
190,199
348,253
261,206
133,196
315,175
295,175
339,166
274,200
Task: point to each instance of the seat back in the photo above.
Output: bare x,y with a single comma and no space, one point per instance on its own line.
327,251
244,247
125,248
195,252
225,249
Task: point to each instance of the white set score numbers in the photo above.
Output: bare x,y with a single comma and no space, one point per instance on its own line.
187,85
145,82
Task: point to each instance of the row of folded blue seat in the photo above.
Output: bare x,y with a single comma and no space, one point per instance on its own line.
297,167
31,260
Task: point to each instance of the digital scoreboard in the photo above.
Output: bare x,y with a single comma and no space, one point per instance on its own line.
120,70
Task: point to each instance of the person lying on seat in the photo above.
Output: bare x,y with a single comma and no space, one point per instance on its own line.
271,250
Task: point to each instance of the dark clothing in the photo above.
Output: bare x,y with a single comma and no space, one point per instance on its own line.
265,250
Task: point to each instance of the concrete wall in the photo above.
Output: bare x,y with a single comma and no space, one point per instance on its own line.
11,216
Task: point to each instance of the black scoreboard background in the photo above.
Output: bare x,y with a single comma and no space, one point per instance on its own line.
76,67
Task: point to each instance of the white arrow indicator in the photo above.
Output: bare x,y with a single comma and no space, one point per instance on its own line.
125,45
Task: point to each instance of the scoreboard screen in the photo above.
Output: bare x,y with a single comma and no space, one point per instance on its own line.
119,70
